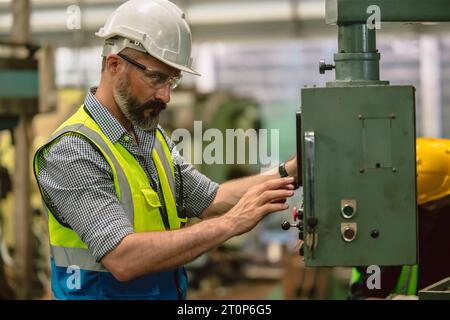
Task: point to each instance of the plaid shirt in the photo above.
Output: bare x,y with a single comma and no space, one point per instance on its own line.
78,182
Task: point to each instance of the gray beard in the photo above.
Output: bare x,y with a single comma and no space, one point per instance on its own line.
128,105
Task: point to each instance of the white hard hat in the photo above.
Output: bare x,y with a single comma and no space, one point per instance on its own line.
157,27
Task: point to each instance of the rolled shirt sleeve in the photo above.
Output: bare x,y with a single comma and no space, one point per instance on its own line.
79,182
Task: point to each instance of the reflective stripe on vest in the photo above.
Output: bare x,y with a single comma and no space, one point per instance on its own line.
123,192
139,201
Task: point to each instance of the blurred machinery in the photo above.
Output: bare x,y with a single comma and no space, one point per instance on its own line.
220,110
24,92
5,188
433,194
437,291
224,111
27,87
196,113
356,146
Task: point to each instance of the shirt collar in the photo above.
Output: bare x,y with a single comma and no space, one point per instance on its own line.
110,126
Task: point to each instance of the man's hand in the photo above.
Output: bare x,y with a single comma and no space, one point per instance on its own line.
149,252
291,168
232,191
259,201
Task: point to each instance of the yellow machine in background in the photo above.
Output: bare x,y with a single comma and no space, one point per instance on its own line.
433,170
433,184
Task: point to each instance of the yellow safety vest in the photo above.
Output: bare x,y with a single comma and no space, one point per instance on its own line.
140,202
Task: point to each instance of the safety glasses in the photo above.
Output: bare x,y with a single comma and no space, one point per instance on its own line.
153,78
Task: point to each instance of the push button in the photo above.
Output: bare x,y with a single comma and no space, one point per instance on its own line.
348,231
348,208
349,234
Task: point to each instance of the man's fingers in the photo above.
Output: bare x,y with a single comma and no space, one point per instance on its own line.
270,195
277,184
288,187
274,207
283,200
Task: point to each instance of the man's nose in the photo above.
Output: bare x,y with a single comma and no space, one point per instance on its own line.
163,93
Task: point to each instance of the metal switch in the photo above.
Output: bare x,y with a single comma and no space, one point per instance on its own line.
348,231
348,208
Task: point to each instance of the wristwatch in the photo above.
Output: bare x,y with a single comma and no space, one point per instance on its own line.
282,170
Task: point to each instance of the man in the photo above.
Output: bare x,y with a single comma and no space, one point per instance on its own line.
433,191
117,191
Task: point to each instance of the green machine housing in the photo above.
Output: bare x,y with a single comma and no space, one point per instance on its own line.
359,175
357,139
27,82
19,82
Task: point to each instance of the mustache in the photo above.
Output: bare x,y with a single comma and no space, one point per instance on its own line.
157,105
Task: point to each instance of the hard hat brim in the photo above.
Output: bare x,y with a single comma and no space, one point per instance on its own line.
119,46
179,67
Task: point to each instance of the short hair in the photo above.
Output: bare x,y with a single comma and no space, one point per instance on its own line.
103,64
134,54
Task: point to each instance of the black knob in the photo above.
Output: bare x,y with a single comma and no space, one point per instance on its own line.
285,225
375,233
349,234
312,222
348,210
301,251
324,67
299,214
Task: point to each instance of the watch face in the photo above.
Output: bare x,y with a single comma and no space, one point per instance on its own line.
282,171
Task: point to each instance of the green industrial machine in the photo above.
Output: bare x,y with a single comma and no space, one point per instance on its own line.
359,175
356,143
24,90
27,87
19,84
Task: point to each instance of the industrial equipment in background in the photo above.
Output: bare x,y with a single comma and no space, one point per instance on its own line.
232,262
356,146
24,92
221,110
437,291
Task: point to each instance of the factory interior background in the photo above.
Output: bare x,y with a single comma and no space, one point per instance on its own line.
254,56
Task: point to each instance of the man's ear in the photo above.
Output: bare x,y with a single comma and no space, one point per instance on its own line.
113,63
